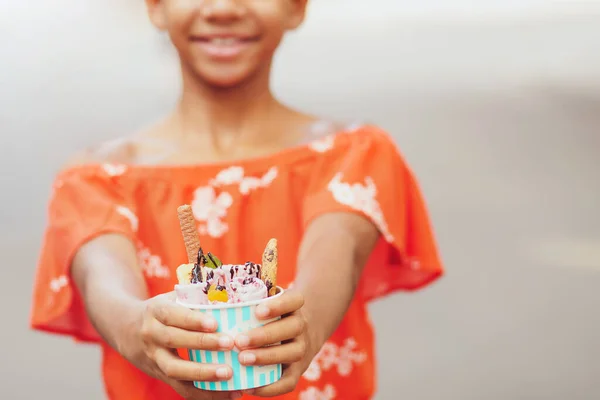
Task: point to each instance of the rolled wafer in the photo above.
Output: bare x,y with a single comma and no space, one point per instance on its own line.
269,267
189,232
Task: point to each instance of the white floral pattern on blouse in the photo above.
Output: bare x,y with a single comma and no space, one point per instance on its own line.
228,176
313,393
361,197
252,183
211,209
354,127
323,144
58,283
131,217
151,264
343,358
114,169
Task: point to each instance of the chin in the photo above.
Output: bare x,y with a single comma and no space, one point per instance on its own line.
224,81
226,77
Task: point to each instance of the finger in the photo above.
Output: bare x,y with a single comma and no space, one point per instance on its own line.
169,296
182,370
172,314
280,354
176,338
275,332
286,384
287,303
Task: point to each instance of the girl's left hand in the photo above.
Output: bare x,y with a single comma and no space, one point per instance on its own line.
295,351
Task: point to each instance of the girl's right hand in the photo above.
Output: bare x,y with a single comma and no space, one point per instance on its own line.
164,326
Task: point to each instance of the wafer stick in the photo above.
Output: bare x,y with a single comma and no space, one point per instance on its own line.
269,267
191,240
189,232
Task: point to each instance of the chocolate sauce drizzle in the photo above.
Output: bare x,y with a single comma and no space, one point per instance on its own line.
252,269
269,285
197,270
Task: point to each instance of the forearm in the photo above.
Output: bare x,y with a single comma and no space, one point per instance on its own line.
111,286
328,284
329,271
112,310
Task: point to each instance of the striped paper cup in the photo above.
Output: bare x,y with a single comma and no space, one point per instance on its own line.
233,319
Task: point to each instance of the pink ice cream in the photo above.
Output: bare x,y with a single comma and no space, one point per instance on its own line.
242,283
192,294
241,271
241,290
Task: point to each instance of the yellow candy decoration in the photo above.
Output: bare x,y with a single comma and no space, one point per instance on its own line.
217,295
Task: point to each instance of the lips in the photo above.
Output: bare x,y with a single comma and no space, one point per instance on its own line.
223,41
223,47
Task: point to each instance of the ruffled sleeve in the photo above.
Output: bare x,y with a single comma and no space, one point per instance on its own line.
85,202
363,172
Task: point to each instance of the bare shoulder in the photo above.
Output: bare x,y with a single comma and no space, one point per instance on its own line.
320,128
123,150
120,150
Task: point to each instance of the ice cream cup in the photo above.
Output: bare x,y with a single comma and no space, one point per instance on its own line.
233,319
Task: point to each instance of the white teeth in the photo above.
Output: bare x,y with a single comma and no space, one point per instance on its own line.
223,41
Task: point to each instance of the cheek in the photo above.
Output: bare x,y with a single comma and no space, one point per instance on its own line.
273,31
272,15
180,16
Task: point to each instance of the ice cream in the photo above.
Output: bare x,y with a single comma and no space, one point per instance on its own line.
247,289
231,294
224,284
206,280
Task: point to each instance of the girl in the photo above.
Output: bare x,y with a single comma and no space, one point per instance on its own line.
339,199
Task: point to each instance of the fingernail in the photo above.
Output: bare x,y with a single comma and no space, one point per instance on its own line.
242,341
225,342
209,323
222,373
248,358
236,396
262,311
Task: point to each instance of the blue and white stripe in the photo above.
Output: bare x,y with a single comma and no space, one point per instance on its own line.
233,321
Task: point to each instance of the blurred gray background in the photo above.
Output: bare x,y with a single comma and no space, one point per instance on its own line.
495,103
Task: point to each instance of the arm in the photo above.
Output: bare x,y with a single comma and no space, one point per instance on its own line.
331,259
105,272
147,331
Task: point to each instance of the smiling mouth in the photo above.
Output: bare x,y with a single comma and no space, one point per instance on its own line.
224,40
223,47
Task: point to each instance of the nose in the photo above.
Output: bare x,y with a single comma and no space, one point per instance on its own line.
222,10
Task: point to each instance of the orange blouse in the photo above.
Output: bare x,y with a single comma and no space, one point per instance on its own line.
238,207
